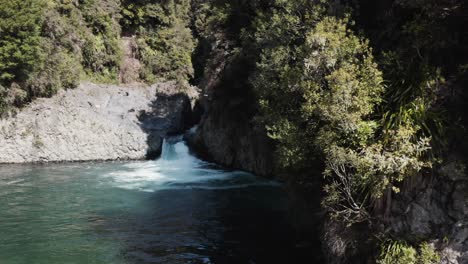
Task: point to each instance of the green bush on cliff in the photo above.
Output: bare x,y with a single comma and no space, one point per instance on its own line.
101,51
3,103
317,97
319,92
428,254
21,49
322,98
166,54
165,41
61,70
47,45
397,252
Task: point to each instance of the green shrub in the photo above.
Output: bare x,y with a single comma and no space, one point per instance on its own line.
47,45
395,252
101,51
167,54
318,101
427,254
165,41
20,39
398,252
62,70
4,105
321,95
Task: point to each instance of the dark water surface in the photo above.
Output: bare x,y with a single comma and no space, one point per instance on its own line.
177,209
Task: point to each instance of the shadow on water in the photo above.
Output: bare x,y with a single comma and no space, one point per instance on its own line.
239,219
212,226
177,209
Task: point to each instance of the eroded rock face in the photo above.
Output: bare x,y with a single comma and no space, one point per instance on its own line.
437,210
227,133
234,144
431,209
95,122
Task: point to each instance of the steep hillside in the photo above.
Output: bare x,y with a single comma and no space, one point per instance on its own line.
369,94
50,45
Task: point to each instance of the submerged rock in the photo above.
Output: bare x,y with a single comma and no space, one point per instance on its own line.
95,122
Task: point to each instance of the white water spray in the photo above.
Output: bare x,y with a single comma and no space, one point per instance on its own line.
177,169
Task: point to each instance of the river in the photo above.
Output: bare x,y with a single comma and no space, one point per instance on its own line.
177,209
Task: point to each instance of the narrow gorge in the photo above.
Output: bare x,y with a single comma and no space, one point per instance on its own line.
265,131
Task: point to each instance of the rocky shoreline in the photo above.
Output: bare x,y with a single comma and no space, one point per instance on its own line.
96,123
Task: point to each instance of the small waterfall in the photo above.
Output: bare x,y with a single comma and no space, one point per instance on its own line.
177,168
169,151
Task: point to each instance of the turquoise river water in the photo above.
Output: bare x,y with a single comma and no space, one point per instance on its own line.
177,209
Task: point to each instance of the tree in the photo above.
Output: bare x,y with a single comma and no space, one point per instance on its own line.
20,39
318,91
164,38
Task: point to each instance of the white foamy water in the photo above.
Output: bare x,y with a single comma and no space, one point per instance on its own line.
177,169
114,212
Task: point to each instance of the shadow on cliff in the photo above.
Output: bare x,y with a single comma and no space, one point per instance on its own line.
168,114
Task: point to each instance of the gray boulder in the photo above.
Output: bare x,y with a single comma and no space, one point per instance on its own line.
96,122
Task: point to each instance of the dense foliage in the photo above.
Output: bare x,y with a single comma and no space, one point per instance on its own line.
322,97
49,45
165,42
357,88
372,113
396,252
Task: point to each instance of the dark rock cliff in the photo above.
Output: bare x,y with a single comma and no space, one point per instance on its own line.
430,208
227,133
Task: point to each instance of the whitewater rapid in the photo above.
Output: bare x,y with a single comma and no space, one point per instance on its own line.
177,168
